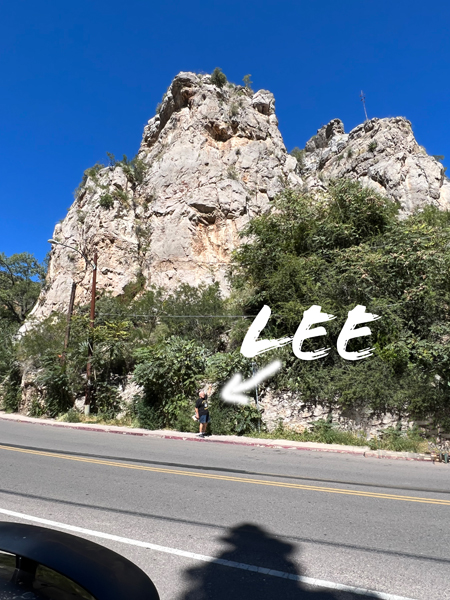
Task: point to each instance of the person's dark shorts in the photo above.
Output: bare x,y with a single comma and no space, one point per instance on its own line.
204,419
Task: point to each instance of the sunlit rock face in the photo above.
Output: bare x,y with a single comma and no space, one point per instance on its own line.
211,159
382,154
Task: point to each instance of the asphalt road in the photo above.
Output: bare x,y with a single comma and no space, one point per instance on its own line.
368,523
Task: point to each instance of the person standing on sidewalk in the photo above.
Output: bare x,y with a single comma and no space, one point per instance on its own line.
202,412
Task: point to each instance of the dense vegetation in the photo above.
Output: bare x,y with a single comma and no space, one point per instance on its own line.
169,342
350,248
21,277
354,250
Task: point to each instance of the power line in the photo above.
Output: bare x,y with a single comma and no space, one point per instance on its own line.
183,316
376,307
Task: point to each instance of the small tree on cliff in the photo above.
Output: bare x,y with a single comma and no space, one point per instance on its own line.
218,78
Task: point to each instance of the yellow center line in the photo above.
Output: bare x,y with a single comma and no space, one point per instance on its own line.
295,486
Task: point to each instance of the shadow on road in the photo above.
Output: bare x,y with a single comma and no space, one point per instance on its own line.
251,545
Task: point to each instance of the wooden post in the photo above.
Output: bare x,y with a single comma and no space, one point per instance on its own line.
69,319
87,400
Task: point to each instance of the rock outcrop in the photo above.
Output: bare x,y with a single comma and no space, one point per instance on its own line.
211,159
382,154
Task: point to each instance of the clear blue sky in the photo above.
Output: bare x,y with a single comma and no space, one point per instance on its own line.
82,78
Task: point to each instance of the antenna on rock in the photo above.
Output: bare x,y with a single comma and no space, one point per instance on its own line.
363,100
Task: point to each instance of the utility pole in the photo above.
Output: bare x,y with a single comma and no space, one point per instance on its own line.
69,319
87,400
363,100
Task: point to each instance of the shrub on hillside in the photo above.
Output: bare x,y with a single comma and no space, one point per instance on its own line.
169,373
346,250
218,78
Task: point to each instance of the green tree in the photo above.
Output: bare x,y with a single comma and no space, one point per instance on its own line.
189,313
21,278
230,419
247,82
218,78
7,331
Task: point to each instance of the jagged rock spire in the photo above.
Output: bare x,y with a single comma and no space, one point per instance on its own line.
211,159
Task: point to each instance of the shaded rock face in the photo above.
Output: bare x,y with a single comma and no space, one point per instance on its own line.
382,154
213,158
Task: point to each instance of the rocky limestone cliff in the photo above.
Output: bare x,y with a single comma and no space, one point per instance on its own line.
213,158
210,160
382,154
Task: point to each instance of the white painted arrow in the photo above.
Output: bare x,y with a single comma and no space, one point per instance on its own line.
232,392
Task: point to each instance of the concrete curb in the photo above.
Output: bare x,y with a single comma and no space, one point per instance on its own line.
363,451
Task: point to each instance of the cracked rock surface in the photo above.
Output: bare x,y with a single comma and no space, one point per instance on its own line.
382,154
212,158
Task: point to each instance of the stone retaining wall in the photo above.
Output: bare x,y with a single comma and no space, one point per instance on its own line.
289,409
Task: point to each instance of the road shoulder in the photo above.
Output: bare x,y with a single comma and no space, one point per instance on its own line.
363,451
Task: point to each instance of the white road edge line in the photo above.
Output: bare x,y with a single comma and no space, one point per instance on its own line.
211,559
